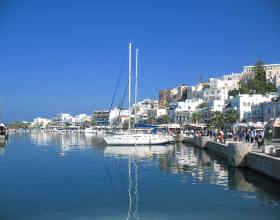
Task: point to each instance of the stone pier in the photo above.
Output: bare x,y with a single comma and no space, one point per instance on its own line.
237,152
240,154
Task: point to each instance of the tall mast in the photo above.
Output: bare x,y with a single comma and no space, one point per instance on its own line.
136,84
129,82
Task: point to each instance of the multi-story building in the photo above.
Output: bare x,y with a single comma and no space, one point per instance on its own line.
213,105
243,103
265,112
272,72
64,118
144,107
40,122
233,76
215,94
101,117
184,110
231,81
80,119
118,116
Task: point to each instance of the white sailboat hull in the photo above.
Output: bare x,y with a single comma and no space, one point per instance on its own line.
138,139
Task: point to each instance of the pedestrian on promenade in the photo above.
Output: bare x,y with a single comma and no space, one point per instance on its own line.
247,136
259,138
241,135
253,135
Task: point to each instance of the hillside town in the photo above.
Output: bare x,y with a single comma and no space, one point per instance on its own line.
198,104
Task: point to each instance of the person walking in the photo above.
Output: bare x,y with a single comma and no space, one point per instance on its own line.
259,139
247,136
253,135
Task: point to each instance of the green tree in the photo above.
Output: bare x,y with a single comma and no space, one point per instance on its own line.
19,125
86,124
232,116
195,118
125,124
257,84
163,119
152,120
217,120
233,92
93,122
203,105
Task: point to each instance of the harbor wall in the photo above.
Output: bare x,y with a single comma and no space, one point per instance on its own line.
265,164
200,142
240,154
218,148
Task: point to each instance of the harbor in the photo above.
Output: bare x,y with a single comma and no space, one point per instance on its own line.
142,182
129,110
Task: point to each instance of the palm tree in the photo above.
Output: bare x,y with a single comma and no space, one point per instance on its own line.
217,120
232,116
163,119
152,120
195,118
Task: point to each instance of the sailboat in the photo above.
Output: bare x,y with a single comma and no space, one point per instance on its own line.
136,138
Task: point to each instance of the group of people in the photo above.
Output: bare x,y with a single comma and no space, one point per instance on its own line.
246,135
251,135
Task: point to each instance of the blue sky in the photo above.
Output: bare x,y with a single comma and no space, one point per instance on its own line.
65,56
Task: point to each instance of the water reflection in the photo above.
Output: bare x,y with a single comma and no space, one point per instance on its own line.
3,143
67,142
135,154
141,152
191,164
195,163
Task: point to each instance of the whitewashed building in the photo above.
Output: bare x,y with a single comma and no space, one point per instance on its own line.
231,81
266,111
148,108
118,116
64,118
243,103
184,110
40,122
216,105
80,119
215,94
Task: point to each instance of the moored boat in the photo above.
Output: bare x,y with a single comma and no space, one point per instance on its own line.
138,139
131,138
3,131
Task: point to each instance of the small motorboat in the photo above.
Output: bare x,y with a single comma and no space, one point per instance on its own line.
3,131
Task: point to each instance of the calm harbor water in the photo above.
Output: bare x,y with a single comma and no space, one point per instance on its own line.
72,176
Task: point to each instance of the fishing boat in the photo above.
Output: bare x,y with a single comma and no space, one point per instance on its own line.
130,138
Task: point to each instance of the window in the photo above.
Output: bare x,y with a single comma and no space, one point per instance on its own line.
268,110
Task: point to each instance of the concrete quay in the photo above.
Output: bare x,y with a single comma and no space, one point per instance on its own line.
240,154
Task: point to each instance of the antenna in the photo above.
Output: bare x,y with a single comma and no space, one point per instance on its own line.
200,80
1,107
